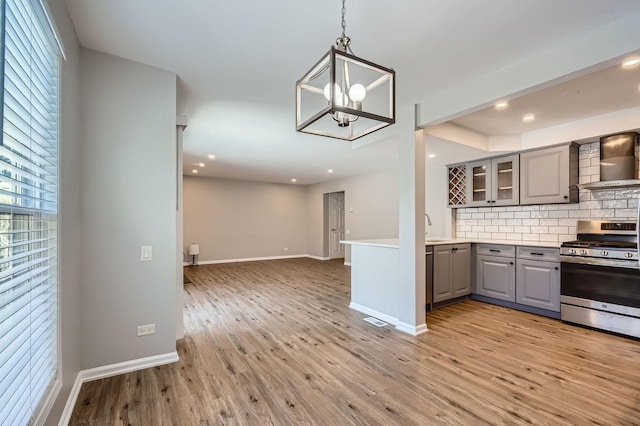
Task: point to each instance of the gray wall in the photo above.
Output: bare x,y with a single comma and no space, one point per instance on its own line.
69,247
373,199
128,199
233,219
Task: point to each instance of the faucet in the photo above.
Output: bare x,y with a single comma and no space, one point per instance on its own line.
428,223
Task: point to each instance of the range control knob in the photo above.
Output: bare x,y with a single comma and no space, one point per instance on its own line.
572,251
583,252
605,253
629,255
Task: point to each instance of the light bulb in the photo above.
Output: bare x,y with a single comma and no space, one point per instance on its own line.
336,91
357,92
342,100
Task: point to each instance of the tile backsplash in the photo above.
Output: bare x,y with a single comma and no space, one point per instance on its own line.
552,222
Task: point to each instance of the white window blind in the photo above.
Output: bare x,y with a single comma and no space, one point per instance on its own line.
28,209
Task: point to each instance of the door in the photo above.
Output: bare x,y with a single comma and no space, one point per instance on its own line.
461,270
496,277
336,225
442,285
538,284
506,181
479,183
544,175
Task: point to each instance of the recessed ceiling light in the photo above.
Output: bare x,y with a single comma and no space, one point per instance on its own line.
431,156
212,157
527,118
294,180
500,105
194,171
330,171
631,63
201,164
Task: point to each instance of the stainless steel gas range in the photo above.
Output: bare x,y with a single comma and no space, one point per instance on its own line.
600,277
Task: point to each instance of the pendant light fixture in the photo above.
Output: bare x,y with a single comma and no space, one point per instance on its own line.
343,96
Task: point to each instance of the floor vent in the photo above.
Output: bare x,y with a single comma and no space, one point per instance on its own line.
375,321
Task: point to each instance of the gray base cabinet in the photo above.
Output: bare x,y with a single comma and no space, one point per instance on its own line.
538,281
451,271
495,277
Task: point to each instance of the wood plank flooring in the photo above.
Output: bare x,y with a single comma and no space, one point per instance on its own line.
274,343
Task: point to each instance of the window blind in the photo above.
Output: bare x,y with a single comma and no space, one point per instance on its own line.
28,210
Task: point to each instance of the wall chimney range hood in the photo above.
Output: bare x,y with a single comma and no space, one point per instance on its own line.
618,162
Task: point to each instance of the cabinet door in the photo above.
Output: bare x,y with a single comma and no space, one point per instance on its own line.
496,277
461,270
479,183
544,176
538,284
505,181
442,284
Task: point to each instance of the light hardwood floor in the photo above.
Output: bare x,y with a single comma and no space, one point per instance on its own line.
274,343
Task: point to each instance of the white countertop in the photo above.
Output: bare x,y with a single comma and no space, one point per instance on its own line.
395,242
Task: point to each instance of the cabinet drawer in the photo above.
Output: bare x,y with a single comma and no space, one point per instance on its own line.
496,250
546,254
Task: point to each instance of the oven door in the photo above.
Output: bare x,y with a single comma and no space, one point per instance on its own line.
604,284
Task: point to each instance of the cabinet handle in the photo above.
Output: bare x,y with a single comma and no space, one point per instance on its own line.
537,254
565,197
556,268
488,201
494,251
454,249
510,263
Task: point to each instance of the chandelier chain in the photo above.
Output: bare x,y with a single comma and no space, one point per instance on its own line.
344,22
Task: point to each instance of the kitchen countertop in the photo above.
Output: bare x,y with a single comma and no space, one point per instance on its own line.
395,242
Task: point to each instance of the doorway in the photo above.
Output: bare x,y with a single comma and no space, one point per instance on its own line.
334,224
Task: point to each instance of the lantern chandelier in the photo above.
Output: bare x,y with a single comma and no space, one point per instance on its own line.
343,96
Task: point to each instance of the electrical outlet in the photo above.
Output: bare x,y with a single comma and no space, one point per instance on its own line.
146,253
286,249
145,330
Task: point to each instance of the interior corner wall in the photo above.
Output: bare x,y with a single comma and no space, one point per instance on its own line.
128,193
371,209
234,219
69,237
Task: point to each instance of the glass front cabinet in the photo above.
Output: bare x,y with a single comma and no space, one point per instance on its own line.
493,182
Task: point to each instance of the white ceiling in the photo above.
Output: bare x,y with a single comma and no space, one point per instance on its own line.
238,62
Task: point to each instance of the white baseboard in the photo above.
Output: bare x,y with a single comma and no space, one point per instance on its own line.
318,257
108,371
412,329
347,263
254,259
376,314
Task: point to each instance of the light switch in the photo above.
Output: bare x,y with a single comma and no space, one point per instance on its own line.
146,253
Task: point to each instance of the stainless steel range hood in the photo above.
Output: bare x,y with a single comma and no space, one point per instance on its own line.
617,162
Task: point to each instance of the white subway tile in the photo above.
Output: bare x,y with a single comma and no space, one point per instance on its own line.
561,214
549,207
485,235
498,222
595,161
484,209
492,228
614,204
530,222
514,208
491,215
530,208
506,229
603,195
498,236
539,229
513,222
568,237
566,222
579,213
626,213
464,215
558,230
522,215
471,235
591,205
477,228
505,215
477,216
522,229
602,214
549,222
584,179
584,162
540,215
499,209
514,237
530,237
549,237
485,222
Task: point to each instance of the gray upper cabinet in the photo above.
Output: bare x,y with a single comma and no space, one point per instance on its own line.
549,175
493,182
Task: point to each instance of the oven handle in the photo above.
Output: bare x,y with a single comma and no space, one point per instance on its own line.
598,261
638,231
